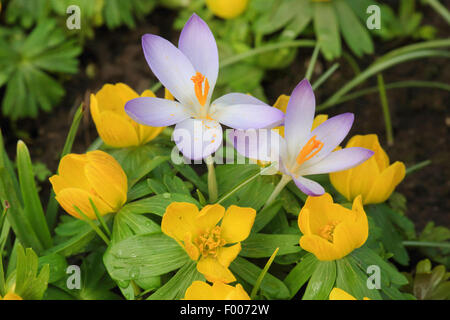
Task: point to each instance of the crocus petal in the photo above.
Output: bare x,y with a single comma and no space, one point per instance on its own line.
197,138
330,133
299,117
263,144
237,223
171,66
230,99
309,187
249,116
214,271
338,160
198,44
156,112
179,220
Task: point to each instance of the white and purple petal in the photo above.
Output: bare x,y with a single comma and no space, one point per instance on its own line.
197,138
299,116
308,186
338,160
198,44
249,116
230,99
172,68
156,112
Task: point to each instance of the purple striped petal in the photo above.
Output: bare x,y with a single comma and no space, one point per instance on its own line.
309,187
339,160
198,44
172,68
156,112
262,144
299,116
249,116
197,138
330,133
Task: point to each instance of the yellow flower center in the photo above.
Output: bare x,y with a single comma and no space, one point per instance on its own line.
327,230
210,241
200,92
311,148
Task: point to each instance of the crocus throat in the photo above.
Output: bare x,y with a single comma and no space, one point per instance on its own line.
311,148
210,241
200,92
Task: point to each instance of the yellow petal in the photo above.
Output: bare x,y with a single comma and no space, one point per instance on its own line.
113,97
227,9
107,178
168,95
71,169
148,93
180,219
226,292
190,248
226,255
339,294
371,142
148,133
239,294
313,214
321,248
237,223
59,183
214,271
318,120
385,183
69,197
209,217
11,296
116,131
199,290
362,177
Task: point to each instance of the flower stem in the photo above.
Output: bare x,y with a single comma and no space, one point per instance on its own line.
426,244
312,62
285,179
212,181
262,274
386,111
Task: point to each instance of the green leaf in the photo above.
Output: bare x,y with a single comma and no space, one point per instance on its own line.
156,186
352,280
276,18
259,245
266,215
303,16
32,203
298,275
176,185
190,174
127,224
158,204
355,34
144,256
57,264
139,190
327,30
271,286
175,288
321,282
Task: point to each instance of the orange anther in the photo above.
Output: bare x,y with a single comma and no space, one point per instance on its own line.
201,95
311,148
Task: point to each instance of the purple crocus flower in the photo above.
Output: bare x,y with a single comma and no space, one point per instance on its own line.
304,152
190,72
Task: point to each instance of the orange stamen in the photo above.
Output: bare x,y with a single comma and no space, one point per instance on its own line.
311,148
201,95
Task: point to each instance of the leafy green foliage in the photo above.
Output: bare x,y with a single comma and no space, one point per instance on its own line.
26,60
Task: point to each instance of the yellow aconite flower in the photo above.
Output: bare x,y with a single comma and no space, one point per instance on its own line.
339,294
374,179
282,103
214,246
95,175
11,296
200,290
227,9
331,231
114,126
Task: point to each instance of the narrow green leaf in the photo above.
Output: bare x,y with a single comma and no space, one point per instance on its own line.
259,245
266,215
327,30
298,276
321,282
158,204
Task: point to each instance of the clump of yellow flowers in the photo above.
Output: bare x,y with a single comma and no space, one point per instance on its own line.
227,9
200,290
95,175
331,231
214,246
374,179
113,125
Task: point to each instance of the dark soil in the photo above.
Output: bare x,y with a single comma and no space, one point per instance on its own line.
420,116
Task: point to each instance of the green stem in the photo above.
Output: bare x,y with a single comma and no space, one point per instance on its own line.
324,77
417,166
443,245
285,179
439,8
93,225
212,181
386,111
312,62
263,274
